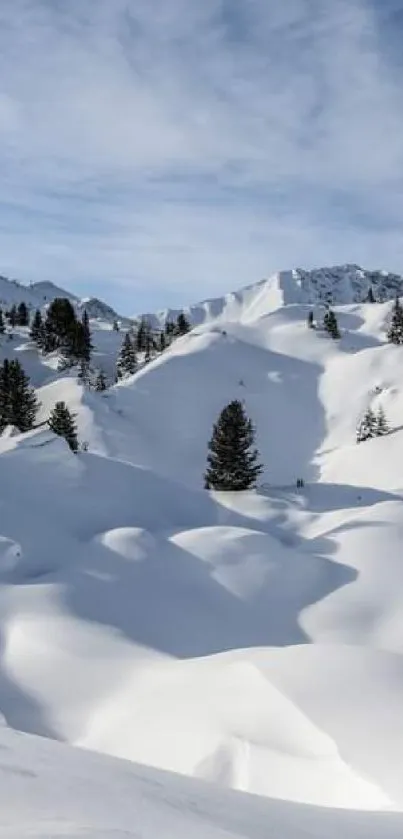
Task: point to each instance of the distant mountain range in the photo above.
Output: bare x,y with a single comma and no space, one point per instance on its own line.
337,285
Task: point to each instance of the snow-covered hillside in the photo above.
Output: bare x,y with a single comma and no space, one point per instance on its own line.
253,641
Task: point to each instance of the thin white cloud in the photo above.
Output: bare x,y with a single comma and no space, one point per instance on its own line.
193,146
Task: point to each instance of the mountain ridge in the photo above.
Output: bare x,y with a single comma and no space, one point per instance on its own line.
335,285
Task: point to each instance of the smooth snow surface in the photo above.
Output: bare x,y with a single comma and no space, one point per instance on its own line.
253,641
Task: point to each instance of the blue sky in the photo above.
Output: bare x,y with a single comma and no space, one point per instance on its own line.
154,152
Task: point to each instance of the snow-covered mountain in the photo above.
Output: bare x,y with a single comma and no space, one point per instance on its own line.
39,295
248,642
340,284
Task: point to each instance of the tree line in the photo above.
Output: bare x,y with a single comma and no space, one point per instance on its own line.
19,405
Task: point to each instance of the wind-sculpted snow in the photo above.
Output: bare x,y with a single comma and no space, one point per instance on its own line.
253,640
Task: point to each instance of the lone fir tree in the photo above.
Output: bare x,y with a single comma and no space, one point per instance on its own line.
310,320
127,362
395,331
233,460
367,426
2,324
331,325
62,423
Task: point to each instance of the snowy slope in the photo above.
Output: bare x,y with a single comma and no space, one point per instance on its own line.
50,791
254,640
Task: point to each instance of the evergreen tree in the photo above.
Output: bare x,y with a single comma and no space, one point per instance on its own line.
62,422
169,329
381,426
12,316
116,327
395,332
2,324
84,372
367,426
232,459
36,333
87,343
144,336
370,296
5,394
182,325
18,402
331,325
22,315
127,362
310,320
61,331
100,383
23,402
162,342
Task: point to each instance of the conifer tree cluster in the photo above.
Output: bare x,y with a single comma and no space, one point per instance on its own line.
127,359
233,460
63,331
372,425
331,325
395,332
18,402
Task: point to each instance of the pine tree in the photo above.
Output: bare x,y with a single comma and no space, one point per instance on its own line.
24,404
162,342
5,394
310,320
381,426
22,315
61,330
100,383
140,337
2,324
84,372
395,332
144,337
87,343
232,460
12,316
116,327
127,362
367,426
62,422
370,296
169,329
331,325
36,332
18,402
182,325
